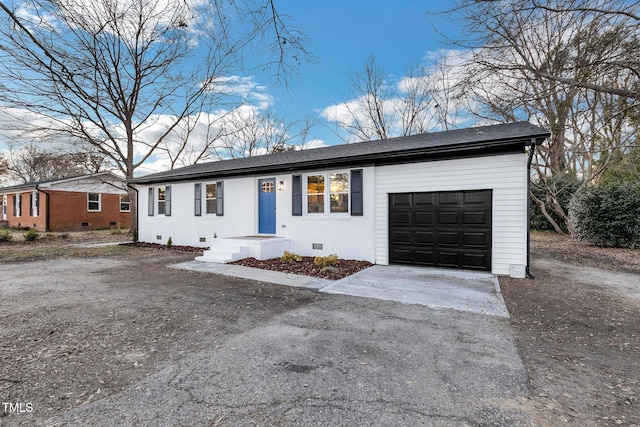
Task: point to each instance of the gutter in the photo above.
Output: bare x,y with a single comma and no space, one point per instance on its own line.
532,151
47,216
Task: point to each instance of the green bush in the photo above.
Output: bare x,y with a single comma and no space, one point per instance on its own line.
6,236
169,242
290,257
608,215
326,261
31,235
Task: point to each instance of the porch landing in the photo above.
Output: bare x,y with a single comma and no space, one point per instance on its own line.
256,246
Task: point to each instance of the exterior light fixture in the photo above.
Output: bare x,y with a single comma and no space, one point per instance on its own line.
280,185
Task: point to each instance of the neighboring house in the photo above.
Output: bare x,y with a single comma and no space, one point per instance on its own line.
87,202
448,199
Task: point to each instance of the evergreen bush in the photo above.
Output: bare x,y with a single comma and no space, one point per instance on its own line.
608,215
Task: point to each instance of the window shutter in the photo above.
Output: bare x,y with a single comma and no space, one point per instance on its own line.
167,201
31,205
357,208
150,208
219,198
197,208
296,190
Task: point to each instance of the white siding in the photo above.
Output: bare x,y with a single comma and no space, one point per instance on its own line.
350,237
506,175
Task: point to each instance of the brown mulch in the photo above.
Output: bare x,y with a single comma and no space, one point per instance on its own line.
306,267
178,248
574,252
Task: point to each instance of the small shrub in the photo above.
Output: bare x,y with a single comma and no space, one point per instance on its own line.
6,236
290,257
326,261
329,269
169,242
608,215
31,235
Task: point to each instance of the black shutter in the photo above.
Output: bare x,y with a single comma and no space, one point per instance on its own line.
357,208
167,201
197,199
220,198
296,191
150,207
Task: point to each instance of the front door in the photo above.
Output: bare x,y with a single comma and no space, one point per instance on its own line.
267,206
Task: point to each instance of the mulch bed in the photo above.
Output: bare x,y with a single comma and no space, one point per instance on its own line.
178,248
344,267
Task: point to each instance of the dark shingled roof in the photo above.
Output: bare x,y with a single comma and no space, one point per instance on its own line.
475,141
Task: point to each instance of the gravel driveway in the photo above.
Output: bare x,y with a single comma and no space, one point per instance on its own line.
123,340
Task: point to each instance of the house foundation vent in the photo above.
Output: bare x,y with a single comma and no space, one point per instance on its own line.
317,246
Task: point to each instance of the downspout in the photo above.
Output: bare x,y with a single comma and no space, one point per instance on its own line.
137,207
532,151
47,217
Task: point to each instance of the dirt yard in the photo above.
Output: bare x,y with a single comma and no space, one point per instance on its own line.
577,326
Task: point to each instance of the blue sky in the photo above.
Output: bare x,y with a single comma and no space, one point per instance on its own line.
343,33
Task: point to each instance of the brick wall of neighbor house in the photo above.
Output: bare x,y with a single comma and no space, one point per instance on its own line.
26,220
69,212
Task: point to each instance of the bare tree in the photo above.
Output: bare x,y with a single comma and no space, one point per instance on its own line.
571,66
123,76
380,110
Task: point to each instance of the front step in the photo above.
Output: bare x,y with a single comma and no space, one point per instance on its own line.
224,251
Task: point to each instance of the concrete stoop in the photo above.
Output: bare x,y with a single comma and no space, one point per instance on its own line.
235,248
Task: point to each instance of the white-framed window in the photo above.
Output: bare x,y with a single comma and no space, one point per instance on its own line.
17,205
94,202
328,193
125,204
212,198
162,200
35,204
4,206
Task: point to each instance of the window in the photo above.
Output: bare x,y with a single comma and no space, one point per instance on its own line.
336,196
162,198
315,193
339,192
125,204
17,205
93,202
151,203
34,203
212,198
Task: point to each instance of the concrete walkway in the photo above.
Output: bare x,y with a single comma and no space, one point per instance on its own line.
475,292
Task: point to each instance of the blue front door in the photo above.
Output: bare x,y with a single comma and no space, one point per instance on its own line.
267,206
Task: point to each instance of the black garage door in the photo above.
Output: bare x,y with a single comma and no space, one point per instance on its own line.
441,229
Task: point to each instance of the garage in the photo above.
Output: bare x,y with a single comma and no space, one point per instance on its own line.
441,229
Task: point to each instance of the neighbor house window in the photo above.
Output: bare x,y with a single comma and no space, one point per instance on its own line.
125,204
93,202
212,198
17,205
34,204
315,193
339,192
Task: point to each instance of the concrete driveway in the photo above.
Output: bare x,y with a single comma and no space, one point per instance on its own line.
334,360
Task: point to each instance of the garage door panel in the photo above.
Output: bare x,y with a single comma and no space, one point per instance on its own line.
401,218
442,229
476,218
424,199
424,237
448,217
424,218
470,239
401,237
401,200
